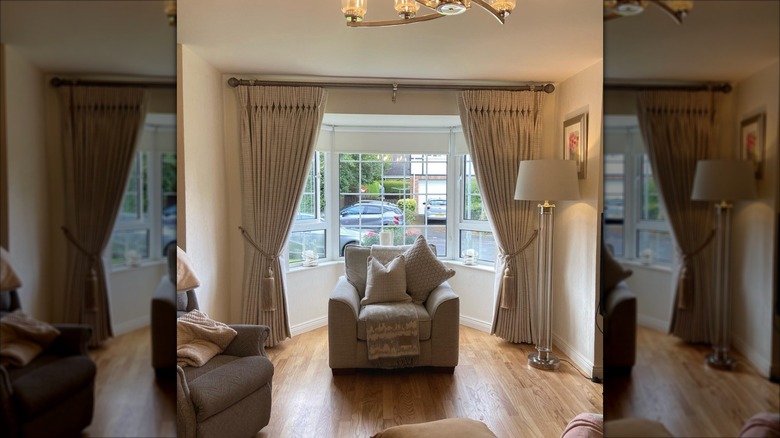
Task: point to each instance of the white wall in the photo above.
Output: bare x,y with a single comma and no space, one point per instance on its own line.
474,286
652,287
577,240
753,227
28,198
205,191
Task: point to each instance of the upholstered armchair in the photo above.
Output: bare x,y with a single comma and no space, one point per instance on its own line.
230,395
438,319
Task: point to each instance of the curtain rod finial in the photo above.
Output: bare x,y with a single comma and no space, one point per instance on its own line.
233,82
549,88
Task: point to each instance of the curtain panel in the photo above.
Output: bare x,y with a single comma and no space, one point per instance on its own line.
279,128
503,128
678,129
100,127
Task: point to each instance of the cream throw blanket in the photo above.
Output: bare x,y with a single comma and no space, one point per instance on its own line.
22,338
392,332
199,338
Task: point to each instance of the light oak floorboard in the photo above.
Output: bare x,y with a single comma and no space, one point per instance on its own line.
492,384
129,400
672,384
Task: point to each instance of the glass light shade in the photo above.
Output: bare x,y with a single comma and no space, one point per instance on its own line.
630,7
354,10
406,8
431,3
505,7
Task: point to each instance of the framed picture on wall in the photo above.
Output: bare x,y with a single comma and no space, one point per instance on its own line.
575,142
751,141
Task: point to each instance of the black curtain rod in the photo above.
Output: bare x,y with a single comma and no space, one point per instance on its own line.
547,88
59,82
722,87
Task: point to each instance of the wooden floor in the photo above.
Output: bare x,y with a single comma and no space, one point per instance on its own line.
670,383
492,383
129,401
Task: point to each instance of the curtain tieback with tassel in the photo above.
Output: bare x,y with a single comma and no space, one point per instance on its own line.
91,282
268,282
509,286
685,282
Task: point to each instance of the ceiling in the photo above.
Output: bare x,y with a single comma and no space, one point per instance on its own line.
543,40
718,41
95,37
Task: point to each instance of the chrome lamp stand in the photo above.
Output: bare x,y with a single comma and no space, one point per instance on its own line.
721,344
544,358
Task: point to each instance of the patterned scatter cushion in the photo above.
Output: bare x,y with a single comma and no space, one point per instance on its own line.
386,284
424,271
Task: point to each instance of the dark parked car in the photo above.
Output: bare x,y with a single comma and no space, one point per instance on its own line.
371,214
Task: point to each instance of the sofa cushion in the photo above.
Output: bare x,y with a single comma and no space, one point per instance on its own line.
423,323
225,385
49,385
386,284
424,271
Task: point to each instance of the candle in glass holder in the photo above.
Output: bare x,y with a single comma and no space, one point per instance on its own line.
470,257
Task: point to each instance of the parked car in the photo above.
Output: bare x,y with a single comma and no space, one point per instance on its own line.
346,236
169,214
370,214
436,210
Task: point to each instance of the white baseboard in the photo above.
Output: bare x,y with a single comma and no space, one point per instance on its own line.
309,325
133,324
475,323
660,325
762,364
580,361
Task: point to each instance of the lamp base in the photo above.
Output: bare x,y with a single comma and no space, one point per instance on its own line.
546,361
721,361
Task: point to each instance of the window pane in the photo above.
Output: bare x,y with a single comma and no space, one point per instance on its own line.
128,247
404,193
472,199
130,209
613,236
654,245
301,241
480,241
650,208
614,192
168,199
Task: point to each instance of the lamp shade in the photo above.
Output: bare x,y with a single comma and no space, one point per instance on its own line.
723,180
547,180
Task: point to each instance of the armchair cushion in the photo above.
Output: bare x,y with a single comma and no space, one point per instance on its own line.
227,384
386,284
52,383
424,271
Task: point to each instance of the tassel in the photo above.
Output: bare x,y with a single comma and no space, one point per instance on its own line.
684,288
508,290
91,291
268,291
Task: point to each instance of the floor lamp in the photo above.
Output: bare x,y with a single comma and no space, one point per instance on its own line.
546,180
722,181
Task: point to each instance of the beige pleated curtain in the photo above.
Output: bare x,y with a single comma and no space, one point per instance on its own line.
678,129
502,128
100,128
279,128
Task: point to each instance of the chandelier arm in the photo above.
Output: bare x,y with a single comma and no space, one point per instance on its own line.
490,9
398,22
422,3
675,15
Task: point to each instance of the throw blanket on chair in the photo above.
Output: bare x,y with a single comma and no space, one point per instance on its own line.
22,338
199,338
392,334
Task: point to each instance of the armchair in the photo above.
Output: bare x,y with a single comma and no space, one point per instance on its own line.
438,319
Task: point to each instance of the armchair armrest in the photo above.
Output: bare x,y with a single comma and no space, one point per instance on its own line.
345,293
72,340
7,413
249,340
185,419
439,296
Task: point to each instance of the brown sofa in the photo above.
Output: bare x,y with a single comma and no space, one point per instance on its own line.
53,395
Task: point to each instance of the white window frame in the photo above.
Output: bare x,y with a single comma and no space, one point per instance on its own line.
317,223
151,220
463,223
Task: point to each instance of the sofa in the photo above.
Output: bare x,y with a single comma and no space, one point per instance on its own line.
438,320
620,315
163,320
54,394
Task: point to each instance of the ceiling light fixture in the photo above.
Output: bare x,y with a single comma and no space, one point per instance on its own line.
170,12
355,10
677,9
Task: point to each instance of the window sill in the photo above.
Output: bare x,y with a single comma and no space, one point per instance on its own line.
478,266
142,265
638,264
323,264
